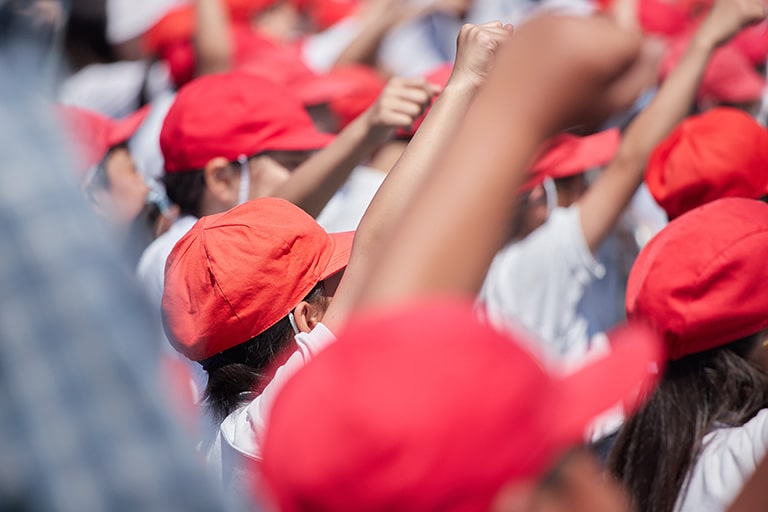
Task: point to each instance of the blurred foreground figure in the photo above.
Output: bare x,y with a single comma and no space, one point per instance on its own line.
81,424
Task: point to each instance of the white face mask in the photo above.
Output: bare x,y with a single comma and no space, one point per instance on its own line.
292,319
550,191
244,193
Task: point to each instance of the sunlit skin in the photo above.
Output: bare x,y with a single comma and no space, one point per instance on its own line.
266,176
576,484
124,198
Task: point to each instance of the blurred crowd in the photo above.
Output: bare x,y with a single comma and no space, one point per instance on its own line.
303,255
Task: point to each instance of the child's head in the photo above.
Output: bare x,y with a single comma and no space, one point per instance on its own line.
423,407
721,153
238,283
699,281
559,175
224,138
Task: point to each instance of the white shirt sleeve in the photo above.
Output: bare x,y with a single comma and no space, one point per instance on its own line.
538,282
728,458
244,428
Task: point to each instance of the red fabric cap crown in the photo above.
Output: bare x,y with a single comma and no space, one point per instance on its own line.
363,86
663,17
752,42
721,153
422,407
236,274
234,114
729,77
700,281
179,24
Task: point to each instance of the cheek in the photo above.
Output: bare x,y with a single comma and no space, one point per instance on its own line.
127,189
267,180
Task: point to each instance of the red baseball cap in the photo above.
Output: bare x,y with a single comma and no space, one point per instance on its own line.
568,155
179,24
700,281
728,78
95,134
752,42
236,274
363,87
233,114
423,407
260,55
663,17
721,153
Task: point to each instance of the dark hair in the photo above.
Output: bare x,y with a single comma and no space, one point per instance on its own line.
185,189
658,447
236,374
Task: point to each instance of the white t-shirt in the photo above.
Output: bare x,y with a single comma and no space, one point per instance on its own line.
346,208
728,458
114,89
540,283
151,274
231,447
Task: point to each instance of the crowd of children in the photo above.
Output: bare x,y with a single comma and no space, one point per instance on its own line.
384,255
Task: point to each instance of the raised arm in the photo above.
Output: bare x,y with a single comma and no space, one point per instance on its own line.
476,51
380,17
754,494
455,224
313,183
602,204
213,39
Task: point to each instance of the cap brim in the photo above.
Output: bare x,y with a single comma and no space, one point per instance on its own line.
342,249
622,377
306,139
123,129
593,151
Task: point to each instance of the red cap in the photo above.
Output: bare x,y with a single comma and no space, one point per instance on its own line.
234,114
663,17
179,24
95,134
729,77
568,155
236,274
752,42
700,281
721,153
363,87
422,407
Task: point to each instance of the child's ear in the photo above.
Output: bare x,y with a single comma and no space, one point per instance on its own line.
219,180
307,316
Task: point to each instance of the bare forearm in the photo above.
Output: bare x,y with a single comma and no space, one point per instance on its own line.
425,148
213,41
404,180
313,183
606,199
457,221
671,105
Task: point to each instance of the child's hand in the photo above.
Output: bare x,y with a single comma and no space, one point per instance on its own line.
476,49
727,18
401,103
